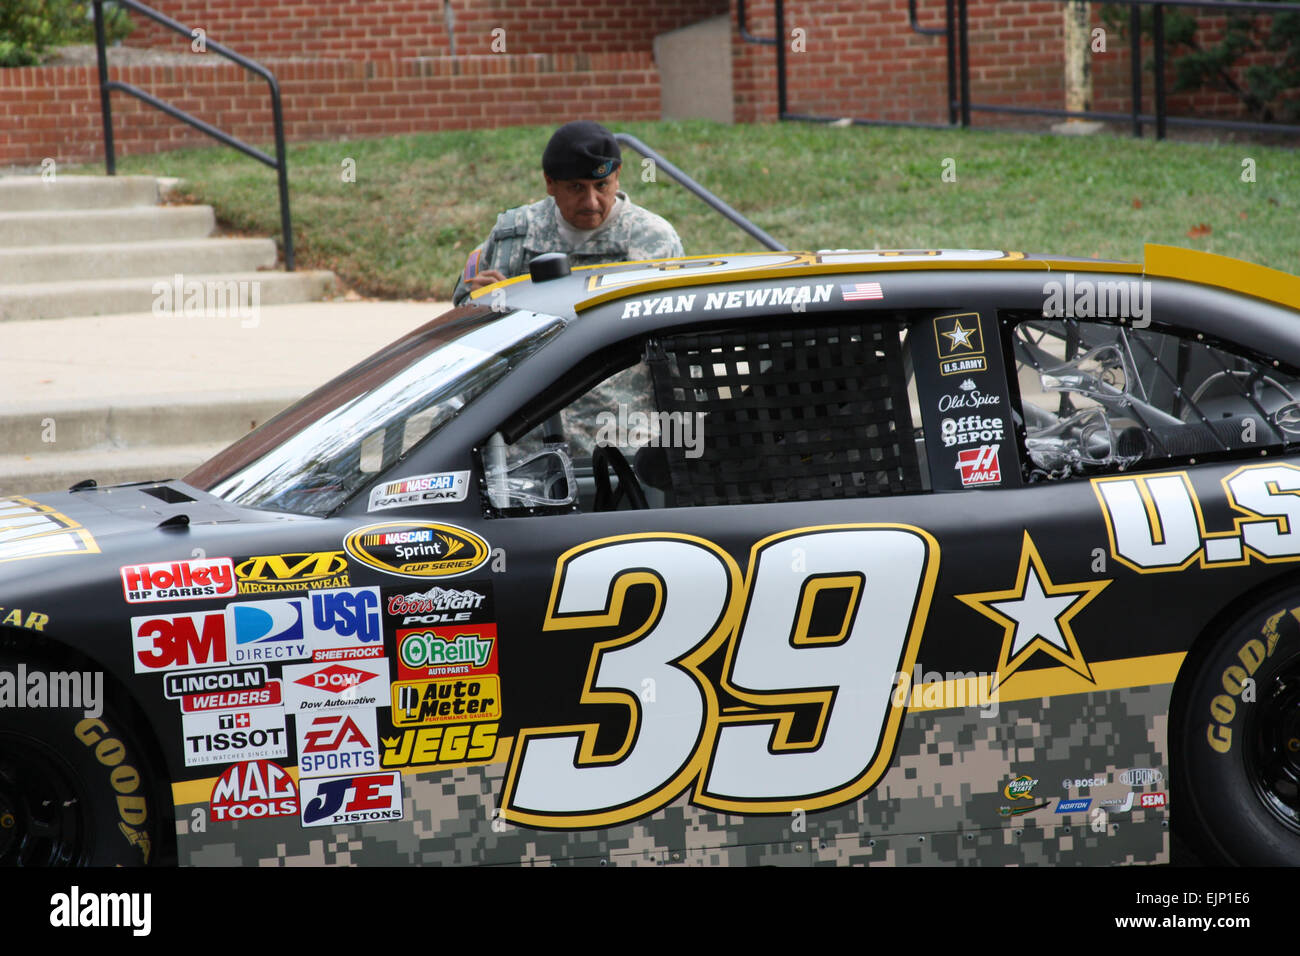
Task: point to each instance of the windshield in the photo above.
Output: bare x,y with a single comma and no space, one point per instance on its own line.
317,454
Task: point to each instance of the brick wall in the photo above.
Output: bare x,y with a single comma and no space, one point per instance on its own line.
382,29
54,111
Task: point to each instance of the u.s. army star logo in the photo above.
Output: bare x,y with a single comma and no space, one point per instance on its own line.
1036,615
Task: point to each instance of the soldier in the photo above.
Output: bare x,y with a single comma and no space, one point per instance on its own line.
585,215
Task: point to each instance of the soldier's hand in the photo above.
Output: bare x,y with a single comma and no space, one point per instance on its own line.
486,277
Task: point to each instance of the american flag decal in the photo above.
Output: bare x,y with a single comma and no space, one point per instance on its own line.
858,291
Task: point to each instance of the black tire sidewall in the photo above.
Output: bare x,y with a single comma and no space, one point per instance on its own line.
110,774
1231,822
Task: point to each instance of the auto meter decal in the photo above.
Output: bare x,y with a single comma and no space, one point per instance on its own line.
29,530
417,549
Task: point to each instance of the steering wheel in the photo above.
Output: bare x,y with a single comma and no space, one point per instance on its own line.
603,459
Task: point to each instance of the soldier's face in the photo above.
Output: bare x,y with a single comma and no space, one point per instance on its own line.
584,203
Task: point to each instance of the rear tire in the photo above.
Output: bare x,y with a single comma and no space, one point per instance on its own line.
1237,759
74,790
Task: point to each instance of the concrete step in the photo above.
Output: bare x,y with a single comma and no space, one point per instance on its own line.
123,260
54,471
81,226
32,193
57,300
136,421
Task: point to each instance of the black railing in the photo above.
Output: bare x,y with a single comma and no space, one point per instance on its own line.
690,185
956,31
106,86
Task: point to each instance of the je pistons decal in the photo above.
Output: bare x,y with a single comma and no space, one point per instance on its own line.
417,549
420,490
960,342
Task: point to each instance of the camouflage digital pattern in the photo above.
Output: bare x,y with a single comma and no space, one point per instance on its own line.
522,233
924,811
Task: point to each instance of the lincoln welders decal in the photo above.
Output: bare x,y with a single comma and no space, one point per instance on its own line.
417,549
29,530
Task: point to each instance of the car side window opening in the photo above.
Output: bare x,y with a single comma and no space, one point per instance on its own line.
1099,398
737,416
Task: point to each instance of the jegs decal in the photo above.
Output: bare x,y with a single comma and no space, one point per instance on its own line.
749,761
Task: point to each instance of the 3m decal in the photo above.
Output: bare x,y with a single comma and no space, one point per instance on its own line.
960,343
417,549
1155,523
776,660
251,790
329,801
427,702
198,580
1035,615
272,573
178,642
440,745
441,488
29,530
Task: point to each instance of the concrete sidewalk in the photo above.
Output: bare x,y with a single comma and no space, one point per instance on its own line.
136,396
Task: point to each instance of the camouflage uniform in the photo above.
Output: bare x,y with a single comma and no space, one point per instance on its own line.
528,231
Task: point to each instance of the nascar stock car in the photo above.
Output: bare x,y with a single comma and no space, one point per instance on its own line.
796,558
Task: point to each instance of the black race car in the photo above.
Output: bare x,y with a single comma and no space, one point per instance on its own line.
808,558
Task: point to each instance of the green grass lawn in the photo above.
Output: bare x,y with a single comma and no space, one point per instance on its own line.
421,203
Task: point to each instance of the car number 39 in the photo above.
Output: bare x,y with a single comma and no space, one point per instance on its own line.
741,759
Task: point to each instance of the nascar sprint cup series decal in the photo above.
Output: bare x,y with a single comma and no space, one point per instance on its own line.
417,549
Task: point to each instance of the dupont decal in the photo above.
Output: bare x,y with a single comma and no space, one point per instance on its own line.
29,530
979,466
330,801
177,686
275,573
331,744
440,605
439,745
251,790
196,580
1140,777
239,735
417,549
434,701
435,489
310,687
461,651
960,343
178,642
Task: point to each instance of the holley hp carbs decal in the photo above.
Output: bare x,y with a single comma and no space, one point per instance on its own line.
417,549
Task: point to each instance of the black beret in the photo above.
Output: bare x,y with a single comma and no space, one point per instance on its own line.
581,150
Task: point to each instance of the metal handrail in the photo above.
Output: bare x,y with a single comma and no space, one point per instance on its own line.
107,86
960,106
689,184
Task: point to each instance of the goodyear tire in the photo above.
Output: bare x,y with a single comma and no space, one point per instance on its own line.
74,791
1237,762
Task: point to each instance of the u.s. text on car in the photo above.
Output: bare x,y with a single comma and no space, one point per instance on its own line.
807,558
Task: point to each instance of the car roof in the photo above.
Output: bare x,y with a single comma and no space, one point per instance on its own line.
589,286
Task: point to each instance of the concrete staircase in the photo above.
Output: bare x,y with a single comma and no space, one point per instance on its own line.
95,402
98,245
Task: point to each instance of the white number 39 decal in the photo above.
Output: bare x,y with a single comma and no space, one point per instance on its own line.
781,654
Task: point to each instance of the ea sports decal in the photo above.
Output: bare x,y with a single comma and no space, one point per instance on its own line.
417,549
334,743
434,489
253,789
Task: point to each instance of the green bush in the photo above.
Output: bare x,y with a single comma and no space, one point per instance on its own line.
29,28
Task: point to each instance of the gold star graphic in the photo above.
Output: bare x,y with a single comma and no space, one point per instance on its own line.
1036,615
959,336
